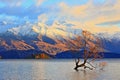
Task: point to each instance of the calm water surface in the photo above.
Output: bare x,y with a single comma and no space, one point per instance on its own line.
56,70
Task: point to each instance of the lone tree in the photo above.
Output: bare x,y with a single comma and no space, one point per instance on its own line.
92,48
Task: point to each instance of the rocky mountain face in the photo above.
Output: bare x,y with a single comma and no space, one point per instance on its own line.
40,38
37,36
47,45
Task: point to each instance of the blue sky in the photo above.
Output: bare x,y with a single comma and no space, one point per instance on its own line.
28,8
86,12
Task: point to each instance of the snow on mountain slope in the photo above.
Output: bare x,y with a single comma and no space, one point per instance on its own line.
109,37
49,37
22,30
53,31
59,29
111,42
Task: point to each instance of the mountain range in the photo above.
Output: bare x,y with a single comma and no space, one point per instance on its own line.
28,39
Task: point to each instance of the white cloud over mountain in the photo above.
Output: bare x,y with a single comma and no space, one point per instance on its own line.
84,16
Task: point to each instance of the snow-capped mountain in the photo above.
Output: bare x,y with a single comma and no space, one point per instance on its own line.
55,31
39,36
109,36
25,29
111,42
51,39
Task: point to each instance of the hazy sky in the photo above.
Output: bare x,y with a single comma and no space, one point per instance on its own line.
93,15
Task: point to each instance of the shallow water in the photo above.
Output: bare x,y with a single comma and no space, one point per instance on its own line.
56,70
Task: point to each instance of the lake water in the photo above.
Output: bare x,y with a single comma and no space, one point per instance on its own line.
56,70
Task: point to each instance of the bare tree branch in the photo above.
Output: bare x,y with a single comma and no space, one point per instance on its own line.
92,46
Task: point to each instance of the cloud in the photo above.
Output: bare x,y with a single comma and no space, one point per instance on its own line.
88,15
22,8
20,3
94,28
12,3
43,18
73,11
110,23
91,11
39,2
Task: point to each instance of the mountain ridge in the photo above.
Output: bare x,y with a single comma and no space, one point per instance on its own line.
51,40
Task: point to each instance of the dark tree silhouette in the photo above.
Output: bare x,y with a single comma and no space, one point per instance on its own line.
92,47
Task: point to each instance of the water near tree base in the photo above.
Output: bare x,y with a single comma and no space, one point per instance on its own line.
57,70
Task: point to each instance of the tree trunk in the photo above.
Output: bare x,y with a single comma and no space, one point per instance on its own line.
81,65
